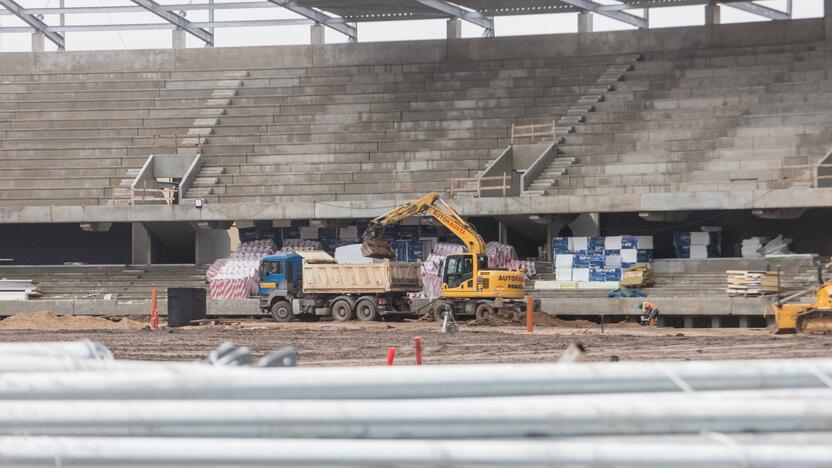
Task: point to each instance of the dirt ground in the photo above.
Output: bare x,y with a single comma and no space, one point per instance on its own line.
328,343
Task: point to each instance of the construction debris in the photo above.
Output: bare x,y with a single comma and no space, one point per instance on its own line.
751,283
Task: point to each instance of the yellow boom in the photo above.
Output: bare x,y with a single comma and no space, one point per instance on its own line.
431,204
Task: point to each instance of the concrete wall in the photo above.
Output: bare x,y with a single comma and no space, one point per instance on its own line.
211,244
761,33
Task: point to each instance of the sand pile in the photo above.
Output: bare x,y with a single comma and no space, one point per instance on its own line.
47,321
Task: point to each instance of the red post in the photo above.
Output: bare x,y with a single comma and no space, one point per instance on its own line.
529,314
417,343
391,354
154,312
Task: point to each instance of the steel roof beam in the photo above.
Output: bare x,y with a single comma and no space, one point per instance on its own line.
455,11
760,10
33,21
595,7
350,31
177,20
161,26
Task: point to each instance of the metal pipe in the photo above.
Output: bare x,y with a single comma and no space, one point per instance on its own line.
136,451
513,417
84,349
419,381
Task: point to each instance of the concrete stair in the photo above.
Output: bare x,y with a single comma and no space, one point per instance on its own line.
120,282
679,120
204,184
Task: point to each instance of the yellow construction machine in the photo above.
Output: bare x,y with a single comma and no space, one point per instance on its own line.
469,287
806,318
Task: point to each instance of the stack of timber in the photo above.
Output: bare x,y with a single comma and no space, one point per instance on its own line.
18,290
751,283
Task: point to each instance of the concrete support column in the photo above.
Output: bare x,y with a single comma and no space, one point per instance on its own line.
140,245
551,233
827,15
585,22
317,34
178,39
743,322
454,28
38,42
712,14
210,245
716,322
688,321
502,232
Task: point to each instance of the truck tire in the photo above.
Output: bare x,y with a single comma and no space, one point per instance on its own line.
341,311
366,310
281,311
439,309
484,311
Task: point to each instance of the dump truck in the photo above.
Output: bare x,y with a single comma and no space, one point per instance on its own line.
469,286
308,285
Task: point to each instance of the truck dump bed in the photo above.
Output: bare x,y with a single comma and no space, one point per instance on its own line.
336,278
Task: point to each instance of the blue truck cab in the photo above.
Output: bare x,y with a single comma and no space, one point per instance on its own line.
280,281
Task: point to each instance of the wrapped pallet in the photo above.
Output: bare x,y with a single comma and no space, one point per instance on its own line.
638,276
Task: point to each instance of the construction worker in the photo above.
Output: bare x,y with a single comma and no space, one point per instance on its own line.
649,312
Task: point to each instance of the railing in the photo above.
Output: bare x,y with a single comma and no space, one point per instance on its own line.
144,194
479,188
167,195
533,131
158,141
814,173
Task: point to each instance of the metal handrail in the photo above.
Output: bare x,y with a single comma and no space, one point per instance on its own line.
505,187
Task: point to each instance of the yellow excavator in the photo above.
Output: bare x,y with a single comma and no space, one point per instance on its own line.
806,318
469,287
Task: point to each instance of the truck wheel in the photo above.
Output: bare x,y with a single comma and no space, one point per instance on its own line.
366,310
341,311
282,311
484,311
439,309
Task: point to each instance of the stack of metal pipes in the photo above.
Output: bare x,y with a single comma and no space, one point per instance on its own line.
71,404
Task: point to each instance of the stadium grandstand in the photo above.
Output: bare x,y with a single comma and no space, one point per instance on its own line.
126,170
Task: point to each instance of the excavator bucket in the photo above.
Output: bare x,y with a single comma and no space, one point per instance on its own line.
377,248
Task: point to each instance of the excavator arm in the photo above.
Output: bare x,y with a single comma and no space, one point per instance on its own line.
431,204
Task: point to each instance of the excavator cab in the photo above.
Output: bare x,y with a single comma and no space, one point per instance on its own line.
460,268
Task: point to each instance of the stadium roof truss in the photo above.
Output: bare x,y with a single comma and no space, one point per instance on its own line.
343,15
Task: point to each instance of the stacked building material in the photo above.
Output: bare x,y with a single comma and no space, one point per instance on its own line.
296,245
98,411
18,290
752,247
751,283
698,245
236,277
637,276
599,259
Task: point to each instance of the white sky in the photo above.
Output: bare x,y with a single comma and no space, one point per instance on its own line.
367,32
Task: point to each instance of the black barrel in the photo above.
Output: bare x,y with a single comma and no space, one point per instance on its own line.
185,305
